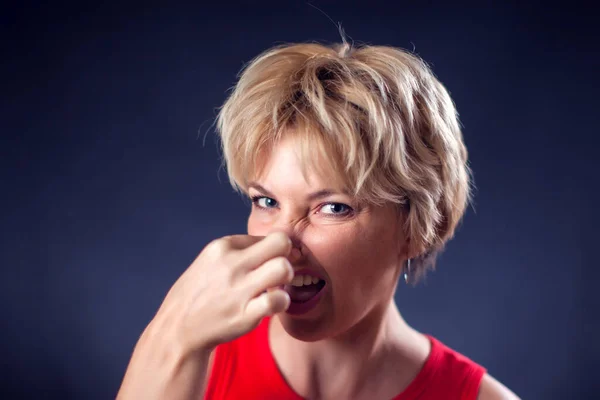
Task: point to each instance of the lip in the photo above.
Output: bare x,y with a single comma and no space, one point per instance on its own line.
303,308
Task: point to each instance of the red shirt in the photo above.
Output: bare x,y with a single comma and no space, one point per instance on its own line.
245,369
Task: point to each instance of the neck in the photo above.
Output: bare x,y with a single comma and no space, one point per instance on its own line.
346,364
367,338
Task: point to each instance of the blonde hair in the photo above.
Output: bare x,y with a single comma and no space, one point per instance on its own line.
375,116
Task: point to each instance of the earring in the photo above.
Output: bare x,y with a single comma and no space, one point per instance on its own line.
407,271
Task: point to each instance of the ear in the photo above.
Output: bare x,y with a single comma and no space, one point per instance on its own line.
412,248
409,248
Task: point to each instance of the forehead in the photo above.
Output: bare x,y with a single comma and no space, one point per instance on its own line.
290,162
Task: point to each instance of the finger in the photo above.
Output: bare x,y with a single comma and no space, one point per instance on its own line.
276,244
277,271
241,242
268,303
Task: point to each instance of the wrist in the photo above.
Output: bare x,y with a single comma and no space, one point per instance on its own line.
162,367
170,332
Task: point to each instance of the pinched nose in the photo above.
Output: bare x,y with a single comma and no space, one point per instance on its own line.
295,254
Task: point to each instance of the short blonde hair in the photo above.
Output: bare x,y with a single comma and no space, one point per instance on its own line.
375,116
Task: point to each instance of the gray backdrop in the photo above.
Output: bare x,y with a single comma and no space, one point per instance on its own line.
109,189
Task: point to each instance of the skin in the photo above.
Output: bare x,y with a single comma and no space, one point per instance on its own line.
355,344
221,296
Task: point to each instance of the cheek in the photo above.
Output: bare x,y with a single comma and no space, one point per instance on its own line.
257,226
359,263
327,246
345,253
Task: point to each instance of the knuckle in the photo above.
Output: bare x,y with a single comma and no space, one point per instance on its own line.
211,246
218,247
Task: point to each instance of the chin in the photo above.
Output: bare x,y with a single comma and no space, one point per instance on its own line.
305,327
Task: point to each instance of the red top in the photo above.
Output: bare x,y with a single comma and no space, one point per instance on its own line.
245,369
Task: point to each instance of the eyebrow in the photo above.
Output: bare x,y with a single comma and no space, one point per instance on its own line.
319,194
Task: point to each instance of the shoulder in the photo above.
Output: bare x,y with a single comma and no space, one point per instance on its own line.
491,389
462,375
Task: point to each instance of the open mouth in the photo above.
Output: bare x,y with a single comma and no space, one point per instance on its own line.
301,293
305,292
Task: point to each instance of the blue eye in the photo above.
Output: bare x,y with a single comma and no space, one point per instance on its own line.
329,209
264,202
336,209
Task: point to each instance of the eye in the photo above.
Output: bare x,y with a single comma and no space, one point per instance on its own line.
264,202
336,209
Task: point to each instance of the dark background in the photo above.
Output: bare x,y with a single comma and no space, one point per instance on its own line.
111,184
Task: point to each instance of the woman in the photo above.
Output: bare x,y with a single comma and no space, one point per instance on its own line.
355,165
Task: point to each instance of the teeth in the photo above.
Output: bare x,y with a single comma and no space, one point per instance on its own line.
298,280
302,280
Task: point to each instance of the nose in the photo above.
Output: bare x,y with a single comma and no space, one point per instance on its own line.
296,252
291,226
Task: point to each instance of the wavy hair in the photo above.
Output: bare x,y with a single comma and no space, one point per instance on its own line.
374,116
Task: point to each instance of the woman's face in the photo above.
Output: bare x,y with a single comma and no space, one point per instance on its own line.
356,248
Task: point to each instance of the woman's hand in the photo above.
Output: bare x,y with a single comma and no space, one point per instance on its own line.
224,293
228,289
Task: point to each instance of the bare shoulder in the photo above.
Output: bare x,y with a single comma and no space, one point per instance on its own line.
491,389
